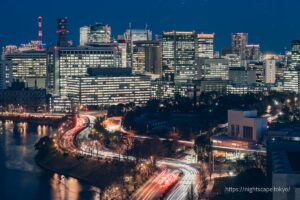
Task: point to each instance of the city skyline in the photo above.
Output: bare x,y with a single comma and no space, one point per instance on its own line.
181,15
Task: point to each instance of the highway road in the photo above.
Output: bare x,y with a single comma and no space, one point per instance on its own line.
157,185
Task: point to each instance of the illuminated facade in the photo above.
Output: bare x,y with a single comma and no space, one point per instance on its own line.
245,89
99,33
205,45
29,67
292,80
147,57
213,68
131,36
84,35
179,52
295,54
162,89
74,61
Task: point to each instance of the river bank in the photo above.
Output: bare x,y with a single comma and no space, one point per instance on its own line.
98,172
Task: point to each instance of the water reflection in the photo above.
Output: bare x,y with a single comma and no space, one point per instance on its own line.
19,171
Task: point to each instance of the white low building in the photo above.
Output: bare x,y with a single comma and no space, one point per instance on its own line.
246,124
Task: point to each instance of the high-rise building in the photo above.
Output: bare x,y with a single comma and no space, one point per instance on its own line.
65,62
29,67
147,57
270,71
295,56
238,44
205,45
84,35
99,33
179,55
123,48
134,35
292,80
62,30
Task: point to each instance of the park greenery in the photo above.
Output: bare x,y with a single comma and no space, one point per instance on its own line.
187,117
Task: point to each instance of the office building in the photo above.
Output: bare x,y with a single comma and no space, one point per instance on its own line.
134,35
65,62
242,76
84,35
179,55
245,89
233,60
163,89
246,125
205,45
107,86
259,67
29,67
212,68
252,52
99,33
292,80
270,71
239,42
147,57
212,85
295,54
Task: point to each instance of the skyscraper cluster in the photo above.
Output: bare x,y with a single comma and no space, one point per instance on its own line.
135,66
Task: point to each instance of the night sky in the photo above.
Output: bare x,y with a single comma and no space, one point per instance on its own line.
272,23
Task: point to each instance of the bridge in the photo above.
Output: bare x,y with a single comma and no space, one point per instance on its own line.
33,118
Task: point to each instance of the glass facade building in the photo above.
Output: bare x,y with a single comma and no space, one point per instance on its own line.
179,52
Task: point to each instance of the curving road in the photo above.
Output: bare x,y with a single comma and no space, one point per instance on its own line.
188,183
153,189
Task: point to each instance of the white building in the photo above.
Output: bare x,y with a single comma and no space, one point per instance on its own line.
246,125
270,71
84,35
